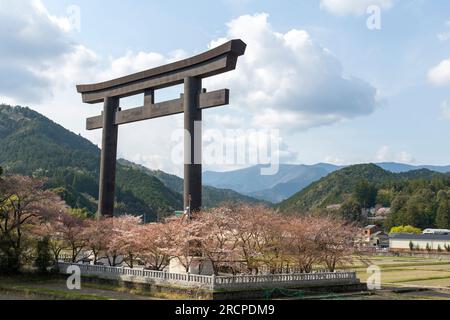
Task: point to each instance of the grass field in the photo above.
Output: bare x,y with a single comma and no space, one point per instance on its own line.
407,271
27,287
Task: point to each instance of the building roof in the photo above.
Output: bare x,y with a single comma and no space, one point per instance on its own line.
430,237
380,233
371,226
441,231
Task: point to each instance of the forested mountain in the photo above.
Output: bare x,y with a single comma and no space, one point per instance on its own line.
334,188
419,198
290,178
211,196
31,144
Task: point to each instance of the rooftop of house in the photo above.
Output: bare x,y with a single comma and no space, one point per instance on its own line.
380,233
408,236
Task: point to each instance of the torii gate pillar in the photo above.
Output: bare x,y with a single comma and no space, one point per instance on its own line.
108,161
192,144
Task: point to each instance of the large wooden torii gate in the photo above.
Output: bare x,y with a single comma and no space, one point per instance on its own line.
190,71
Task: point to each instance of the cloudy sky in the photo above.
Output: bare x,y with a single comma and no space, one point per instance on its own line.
338,91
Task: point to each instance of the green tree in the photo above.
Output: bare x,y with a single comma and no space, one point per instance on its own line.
351,210
443,215
442,195
420,210
405,229
384,197
365,194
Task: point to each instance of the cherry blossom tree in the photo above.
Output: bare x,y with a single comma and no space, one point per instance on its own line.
301,243
97,235
218,245
71,227
185,240
153,246
336,242
23,203
124,239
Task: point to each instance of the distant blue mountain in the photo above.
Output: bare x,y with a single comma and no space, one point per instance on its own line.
290,178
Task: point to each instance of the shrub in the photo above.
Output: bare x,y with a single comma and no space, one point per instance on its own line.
406,229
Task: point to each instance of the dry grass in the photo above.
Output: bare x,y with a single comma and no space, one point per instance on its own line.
408,270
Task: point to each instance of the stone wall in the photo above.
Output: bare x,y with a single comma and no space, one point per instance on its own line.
222,287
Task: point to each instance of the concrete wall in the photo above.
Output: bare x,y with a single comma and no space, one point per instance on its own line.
403,244
198,266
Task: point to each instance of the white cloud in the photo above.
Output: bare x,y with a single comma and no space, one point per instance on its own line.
31,42
334,160
440,74
444,36
353,7
134,62
385,154
445,110
289,81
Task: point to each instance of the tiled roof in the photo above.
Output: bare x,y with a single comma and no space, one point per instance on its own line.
407,236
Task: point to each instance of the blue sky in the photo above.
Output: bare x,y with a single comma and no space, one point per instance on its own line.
393,85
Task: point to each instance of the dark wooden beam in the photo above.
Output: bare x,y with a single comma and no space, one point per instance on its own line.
108,161
192,144
216,61
151,111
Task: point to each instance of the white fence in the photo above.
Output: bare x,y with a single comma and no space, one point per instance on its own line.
240,282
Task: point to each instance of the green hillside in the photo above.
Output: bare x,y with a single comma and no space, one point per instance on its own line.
31,144
334,188
419,198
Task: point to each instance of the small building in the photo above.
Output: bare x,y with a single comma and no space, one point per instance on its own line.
379,239
403,242
373,237
370,230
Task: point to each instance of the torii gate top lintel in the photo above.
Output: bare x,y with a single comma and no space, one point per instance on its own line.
215,61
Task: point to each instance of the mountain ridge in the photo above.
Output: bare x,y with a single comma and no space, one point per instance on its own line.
291,179
337,186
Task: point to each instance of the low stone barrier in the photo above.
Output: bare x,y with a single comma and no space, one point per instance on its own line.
141,276
217,283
